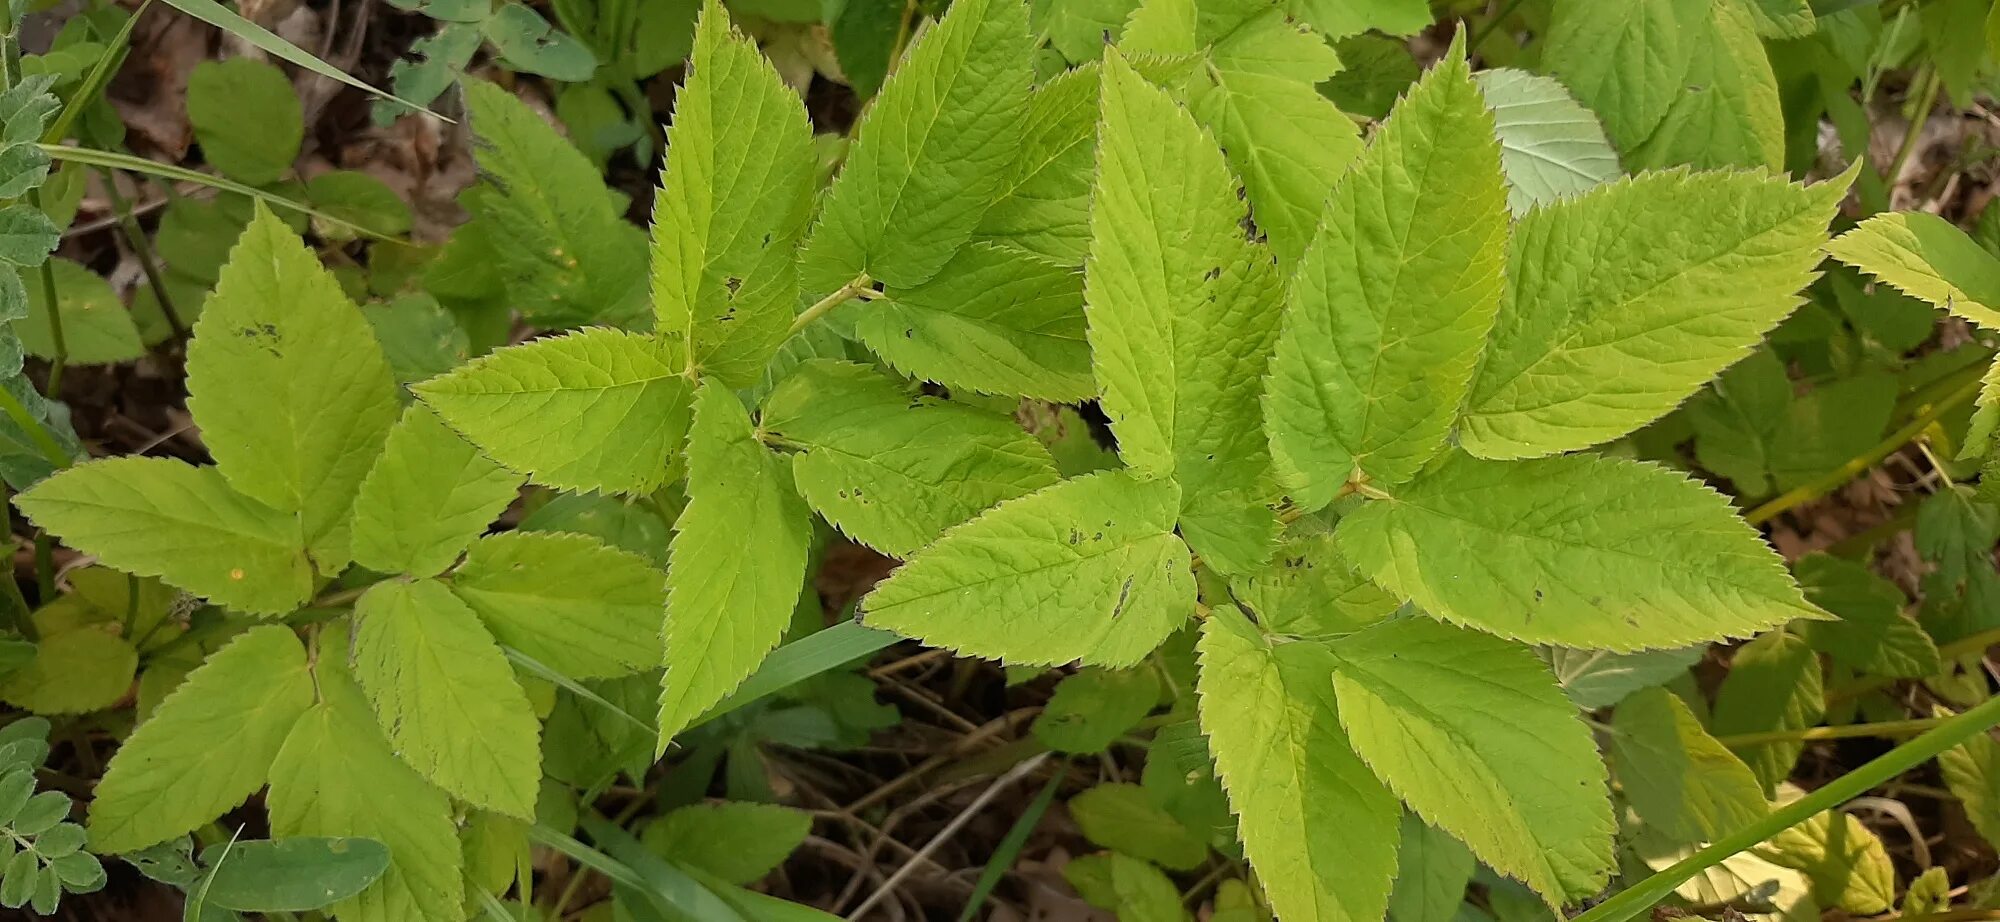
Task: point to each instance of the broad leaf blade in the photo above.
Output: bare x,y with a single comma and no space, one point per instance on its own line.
429,494
1926,257
573,604
1550,146
1682,782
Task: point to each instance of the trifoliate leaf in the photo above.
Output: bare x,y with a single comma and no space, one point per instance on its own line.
1583,551
1124,818
160,517
1086,570
1550,146
78,670
1873,636
247,118
567,601
97,329
336,776
302,439
996,320
727,609
1044,205
1318,828
1926,257
733,201
1610,321
1773,684
1682,782
565,255
1727,113
598,409
445,696
893,471
1473,733
208,745
1393,298
1182,311
1092,708
429,494
737,842
931,152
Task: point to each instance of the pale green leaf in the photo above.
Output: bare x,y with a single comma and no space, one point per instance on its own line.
1432,869
1926,257
1348,17
736,842
336,776
1682,782
303,437
1087,570
1319,830
1287,142
1618,307
528,43
733,201
247,119
445,696
79,670
1124,818
565,255
1092,708
207,747
567,601
1550,146
727,609
1873,636
96,327
1474,734
1313,591
1844,859
1393,298
995,320
1128,886
1773,684
599,409
429,494
891,470
1583,551
931,153
1182,312
1728,113
161,517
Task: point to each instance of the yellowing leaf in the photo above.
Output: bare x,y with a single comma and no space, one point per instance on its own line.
1088,570
1926,257
289,386
1319,830
74,671
429,494
567,601
207,746
445,696
1474,734
1393,298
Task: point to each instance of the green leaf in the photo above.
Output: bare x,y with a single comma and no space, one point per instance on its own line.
1043,207
290,875
27,236
97,329
1313,591
1773,684
995,319
1124,818
215,14
931,153
566,256
80,670
1582,551
1432,869
527,43
336,776
445,696
1092,708
1625,61
1682,782
1846,862
1087,570
1618,308
1753,427
628,525
1550,146
302,439
1873,636
599,409
1393,298
247,119
571,603
1287,142
1129,886
740,843
207,747
359,200
434,64
1783,18
733,201
160,517
865,36
1600,678
725,609
1318,828
1956,531
1972,772
1473,733
1727,113
1348,17
1182,312
894,471
429,494
1926,257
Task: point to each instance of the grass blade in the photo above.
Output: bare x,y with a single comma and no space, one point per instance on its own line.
222,17
117,161
800,660
1010,846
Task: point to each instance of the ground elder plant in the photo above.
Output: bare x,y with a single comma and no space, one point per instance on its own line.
1377,511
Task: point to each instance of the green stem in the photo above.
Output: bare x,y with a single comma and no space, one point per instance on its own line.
45,442
840,296
1820,486
10,588
1486,28
48,270
1641,896
142,247
1849,731
1927,99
